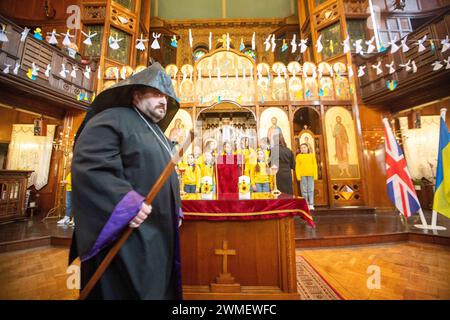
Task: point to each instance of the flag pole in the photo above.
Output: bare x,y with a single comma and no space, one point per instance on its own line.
434,225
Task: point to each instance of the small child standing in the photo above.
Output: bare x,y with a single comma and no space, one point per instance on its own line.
260,177
306,171
191,176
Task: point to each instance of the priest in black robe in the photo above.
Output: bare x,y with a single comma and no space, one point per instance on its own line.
119,154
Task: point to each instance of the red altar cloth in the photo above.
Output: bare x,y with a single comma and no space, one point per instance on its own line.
255,209
228,172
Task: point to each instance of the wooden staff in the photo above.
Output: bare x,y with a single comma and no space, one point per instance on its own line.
125,235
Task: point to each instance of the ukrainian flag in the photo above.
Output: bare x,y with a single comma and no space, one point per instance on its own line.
441,202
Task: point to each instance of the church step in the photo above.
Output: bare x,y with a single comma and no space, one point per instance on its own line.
327,211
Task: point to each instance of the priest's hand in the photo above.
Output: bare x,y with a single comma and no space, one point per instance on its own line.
141,216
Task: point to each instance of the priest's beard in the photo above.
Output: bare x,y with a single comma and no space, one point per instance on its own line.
153,107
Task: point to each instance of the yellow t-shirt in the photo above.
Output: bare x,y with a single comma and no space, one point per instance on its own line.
207,170
191,176
69,182
262,176
306,165
249,159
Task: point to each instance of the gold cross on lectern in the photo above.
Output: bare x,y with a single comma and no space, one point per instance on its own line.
225,252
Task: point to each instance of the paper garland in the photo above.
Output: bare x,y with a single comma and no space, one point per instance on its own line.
67,36
53,36
89,36
3,36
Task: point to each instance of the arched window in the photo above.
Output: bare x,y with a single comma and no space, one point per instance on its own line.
248,51
199,52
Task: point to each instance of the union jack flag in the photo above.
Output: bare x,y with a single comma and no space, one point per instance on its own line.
399,185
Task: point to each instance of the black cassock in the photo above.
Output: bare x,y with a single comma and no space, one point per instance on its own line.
286,163
117,159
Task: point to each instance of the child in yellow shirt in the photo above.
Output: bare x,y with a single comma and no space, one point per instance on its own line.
247,153
207,168
260,177
306,172
191,176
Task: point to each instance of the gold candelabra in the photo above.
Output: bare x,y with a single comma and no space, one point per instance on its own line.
63,144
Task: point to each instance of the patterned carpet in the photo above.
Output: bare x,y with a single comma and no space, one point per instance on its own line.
310,283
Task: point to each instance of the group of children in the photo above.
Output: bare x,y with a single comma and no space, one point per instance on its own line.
256,165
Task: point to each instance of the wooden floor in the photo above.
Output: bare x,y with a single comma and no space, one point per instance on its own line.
35,274
408,271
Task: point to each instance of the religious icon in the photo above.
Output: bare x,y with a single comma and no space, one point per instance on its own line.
178,132
307,138
273,130
341,142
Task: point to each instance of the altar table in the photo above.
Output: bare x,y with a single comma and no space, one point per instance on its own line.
240,249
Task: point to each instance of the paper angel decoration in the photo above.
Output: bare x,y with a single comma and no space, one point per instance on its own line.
378,68
53,36
114,42
358,46
37,34
445,44
33,72
405,47
346,45
350,71
24,34
391,67
89,36
228,42
319,45
174,42
370,46
394,46
391,84
67,36
432,46
99,73
141,43
155,43
6,70
273,43
294,43
3,36
63,71
284,47
73,74
16,69
123,73
407,66
447,63
361,71
437,65
303,46
242,45
420,43
414,67
47,71
87,72
267,43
